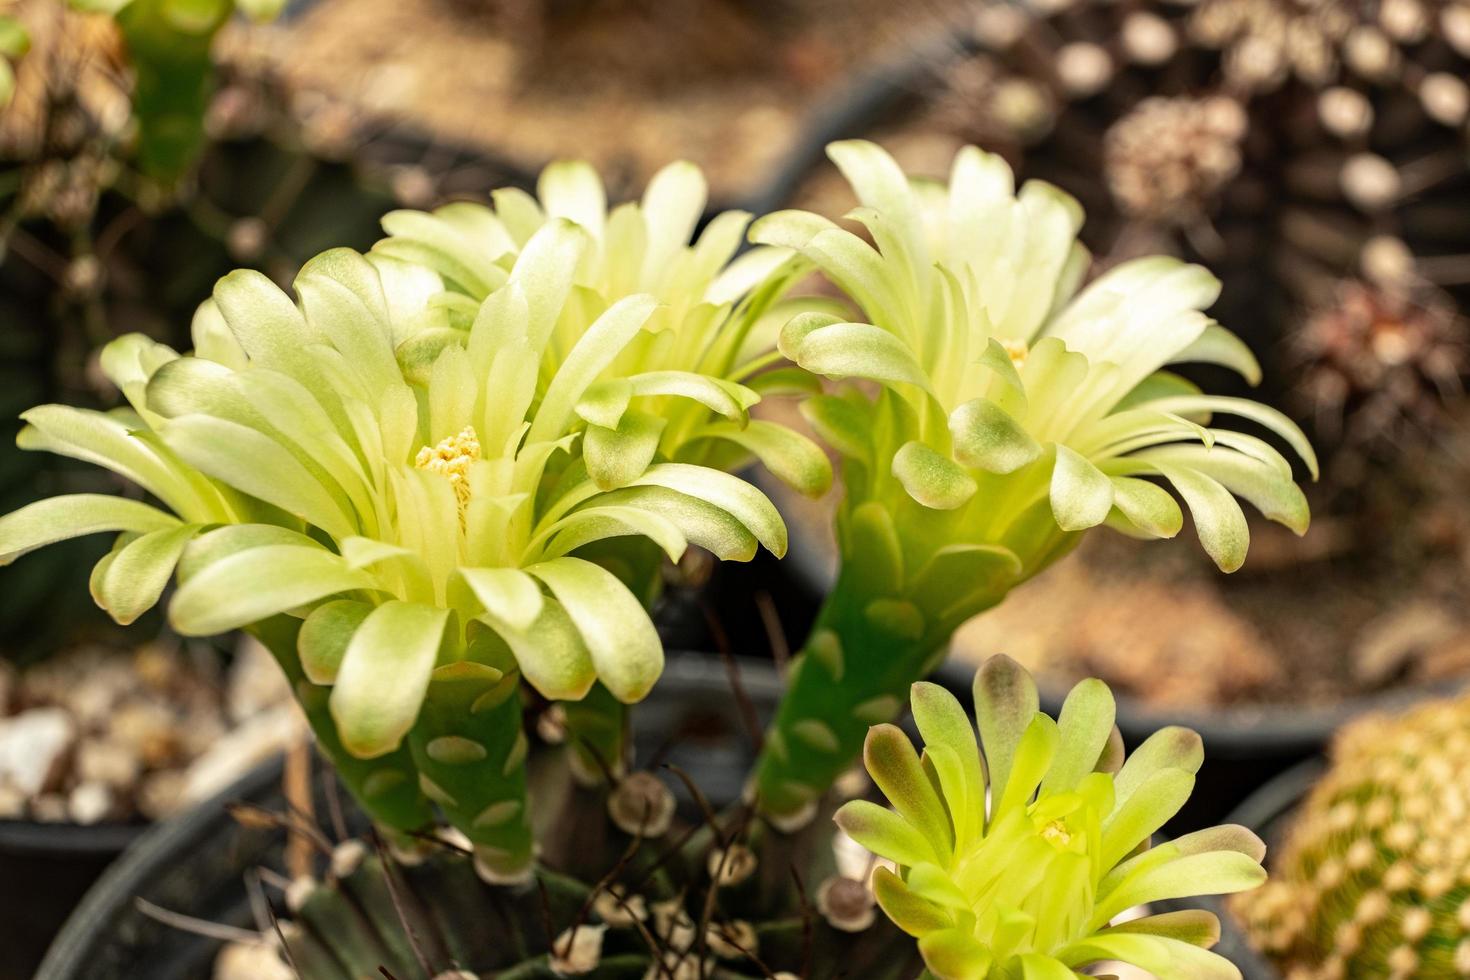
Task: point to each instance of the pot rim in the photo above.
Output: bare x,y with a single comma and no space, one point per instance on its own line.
66,839
1252,731
113,892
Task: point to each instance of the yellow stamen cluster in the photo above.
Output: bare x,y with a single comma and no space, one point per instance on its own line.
1018,350
1374,877
1056,833
451,458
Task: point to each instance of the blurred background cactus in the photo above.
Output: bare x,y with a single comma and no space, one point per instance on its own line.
128,184
1374,877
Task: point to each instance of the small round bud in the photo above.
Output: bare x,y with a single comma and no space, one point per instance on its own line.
1370,182
1372,907
1000,25
1022,107
1403,961
1148,39
1454,21
299,891
1344,112
1417,923
347,857
1445,98
1084,68
1404,20
1348,938
84,275
1370,53
616,908
732,940
551,725
1387,261
413,187
246,239
673,925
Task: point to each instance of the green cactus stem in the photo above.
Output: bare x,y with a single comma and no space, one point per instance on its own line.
470,748
387,787
882,627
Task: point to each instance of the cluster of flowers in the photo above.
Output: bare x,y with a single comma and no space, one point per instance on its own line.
393,478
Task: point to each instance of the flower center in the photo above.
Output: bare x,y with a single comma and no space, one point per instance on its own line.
1018,350
1056,834
451,458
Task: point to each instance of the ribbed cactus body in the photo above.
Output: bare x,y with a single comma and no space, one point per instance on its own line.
627,889
1374,876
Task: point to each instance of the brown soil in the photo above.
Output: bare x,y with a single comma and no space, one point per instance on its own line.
629,85
1160,624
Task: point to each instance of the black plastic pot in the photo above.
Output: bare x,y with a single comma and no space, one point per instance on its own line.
56,863
197,863
1266,812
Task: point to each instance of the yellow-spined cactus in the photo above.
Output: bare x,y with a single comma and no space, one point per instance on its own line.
1374,877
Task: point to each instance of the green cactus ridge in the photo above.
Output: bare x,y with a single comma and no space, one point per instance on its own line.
1374,877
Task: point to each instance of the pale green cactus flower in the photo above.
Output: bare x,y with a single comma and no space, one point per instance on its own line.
1006,390
1014,865
718,314
449,484
395,511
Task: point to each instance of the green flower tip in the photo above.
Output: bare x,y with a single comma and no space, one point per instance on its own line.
1026,405
409,452
1019,863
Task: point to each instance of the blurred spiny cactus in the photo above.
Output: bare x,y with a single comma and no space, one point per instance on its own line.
1375,362
628,889
1374,878
1314,153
